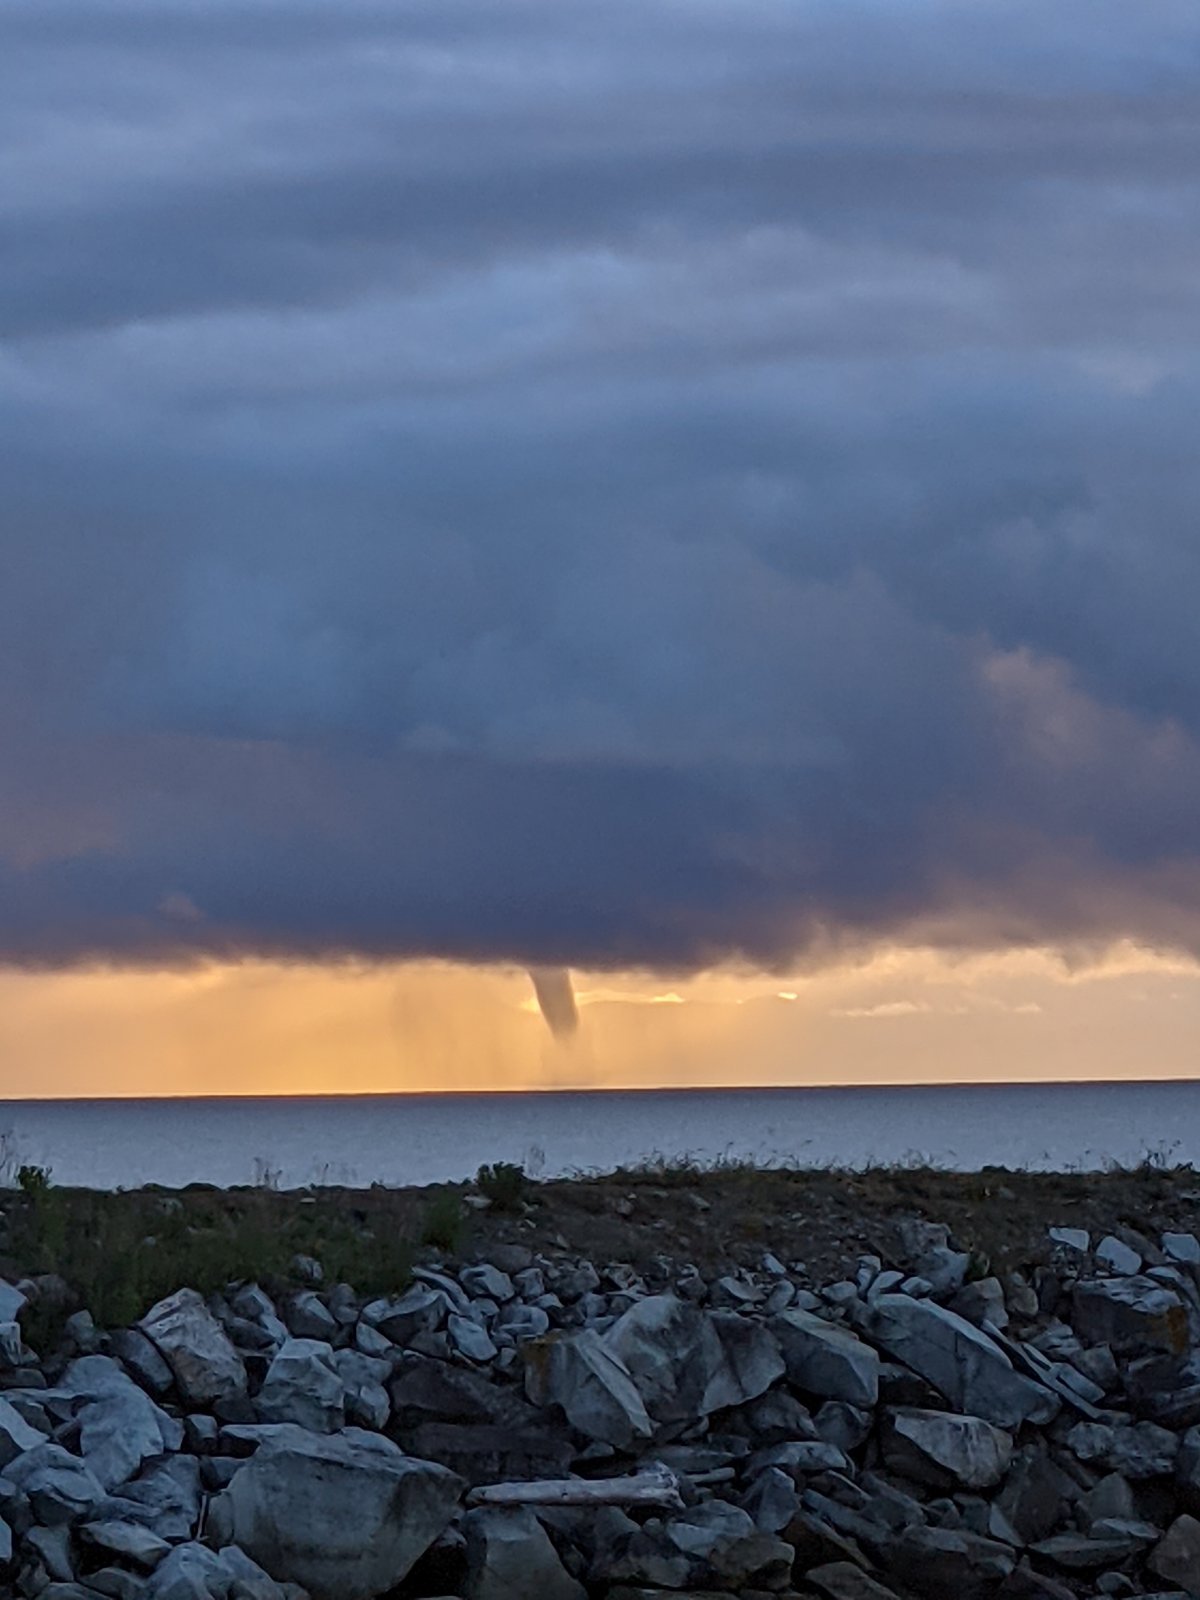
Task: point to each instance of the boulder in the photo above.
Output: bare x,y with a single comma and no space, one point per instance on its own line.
16,1435
363,1379
206,1367
193,1572
949,1564
510,1557
578,1373
1134,1314
842,1580
1176,1557
59,1486
142,1360
303,1386
687,1363
959,1360
946,1451
165,1499
129,1541
344,1515
826,1359
403,1317
1140,1450
120,1427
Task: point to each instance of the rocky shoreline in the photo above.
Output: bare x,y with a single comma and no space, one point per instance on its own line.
524,1420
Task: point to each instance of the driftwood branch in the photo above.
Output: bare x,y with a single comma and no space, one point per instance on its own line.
656,1486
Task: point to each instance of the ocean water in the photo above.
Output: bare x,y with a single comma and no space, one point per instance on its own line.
402,1139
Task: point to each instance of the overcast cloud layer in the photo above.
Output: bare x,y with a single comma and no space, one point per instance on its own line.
615,484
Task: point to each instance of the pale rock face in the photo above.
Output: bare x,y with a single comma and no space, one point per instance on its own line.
593,1387
959,1360
303,1386
346,1516
206,1367
944,1450
827,1359
510,1557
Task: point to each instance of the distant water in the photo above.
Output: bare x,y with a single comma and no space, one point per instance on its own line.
402,1139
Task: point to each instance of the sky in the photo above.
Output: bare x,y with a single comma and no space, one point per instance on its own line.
700,496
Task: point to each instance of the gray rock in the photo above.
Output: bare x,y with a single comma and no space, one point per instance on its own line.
771,1500
1077,1239
687,1363
120,1427
128,1540
346,1516
363,1378
510,1557
723,1547
521,1322
1106,1544
165,1499
1035,1495
946,1451
1111,1498
487,1281
578,1373
470,1339
1118,1256
207,1369
1184,1247
52,1547
948,1564
402,1318
308,1317
842,1580
827,1359
1139,1450
16,1435
1130,1314
303,1386
1176,1558
193,1572
142,1360
982,1301
959,1360
844,1425
59,1486
12,1301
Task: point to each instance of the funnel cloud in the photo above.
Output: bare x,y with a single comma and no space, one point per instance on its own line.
556,1000
485,484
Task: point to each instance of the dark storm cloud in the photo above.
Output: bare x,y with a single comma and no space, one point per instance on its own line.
597,486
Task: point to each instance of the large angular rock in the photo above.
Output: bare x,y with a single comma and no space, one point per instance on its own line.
1176,1558
206,1367
842,1580
16,1435
578,1373
946,1451
303,1386
827,1359
1133,1314
120,1427
688,1363
959,1360
510,1557
59,1486
401,1318
344,1515
948,1564
165,1499
1142,1450
193,1572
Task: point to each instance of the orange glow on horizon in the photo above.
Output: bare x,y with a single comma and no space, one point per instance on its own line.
901,1015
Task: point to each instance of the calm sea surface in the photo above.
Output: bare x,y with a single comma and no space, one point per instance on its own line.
398,1139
